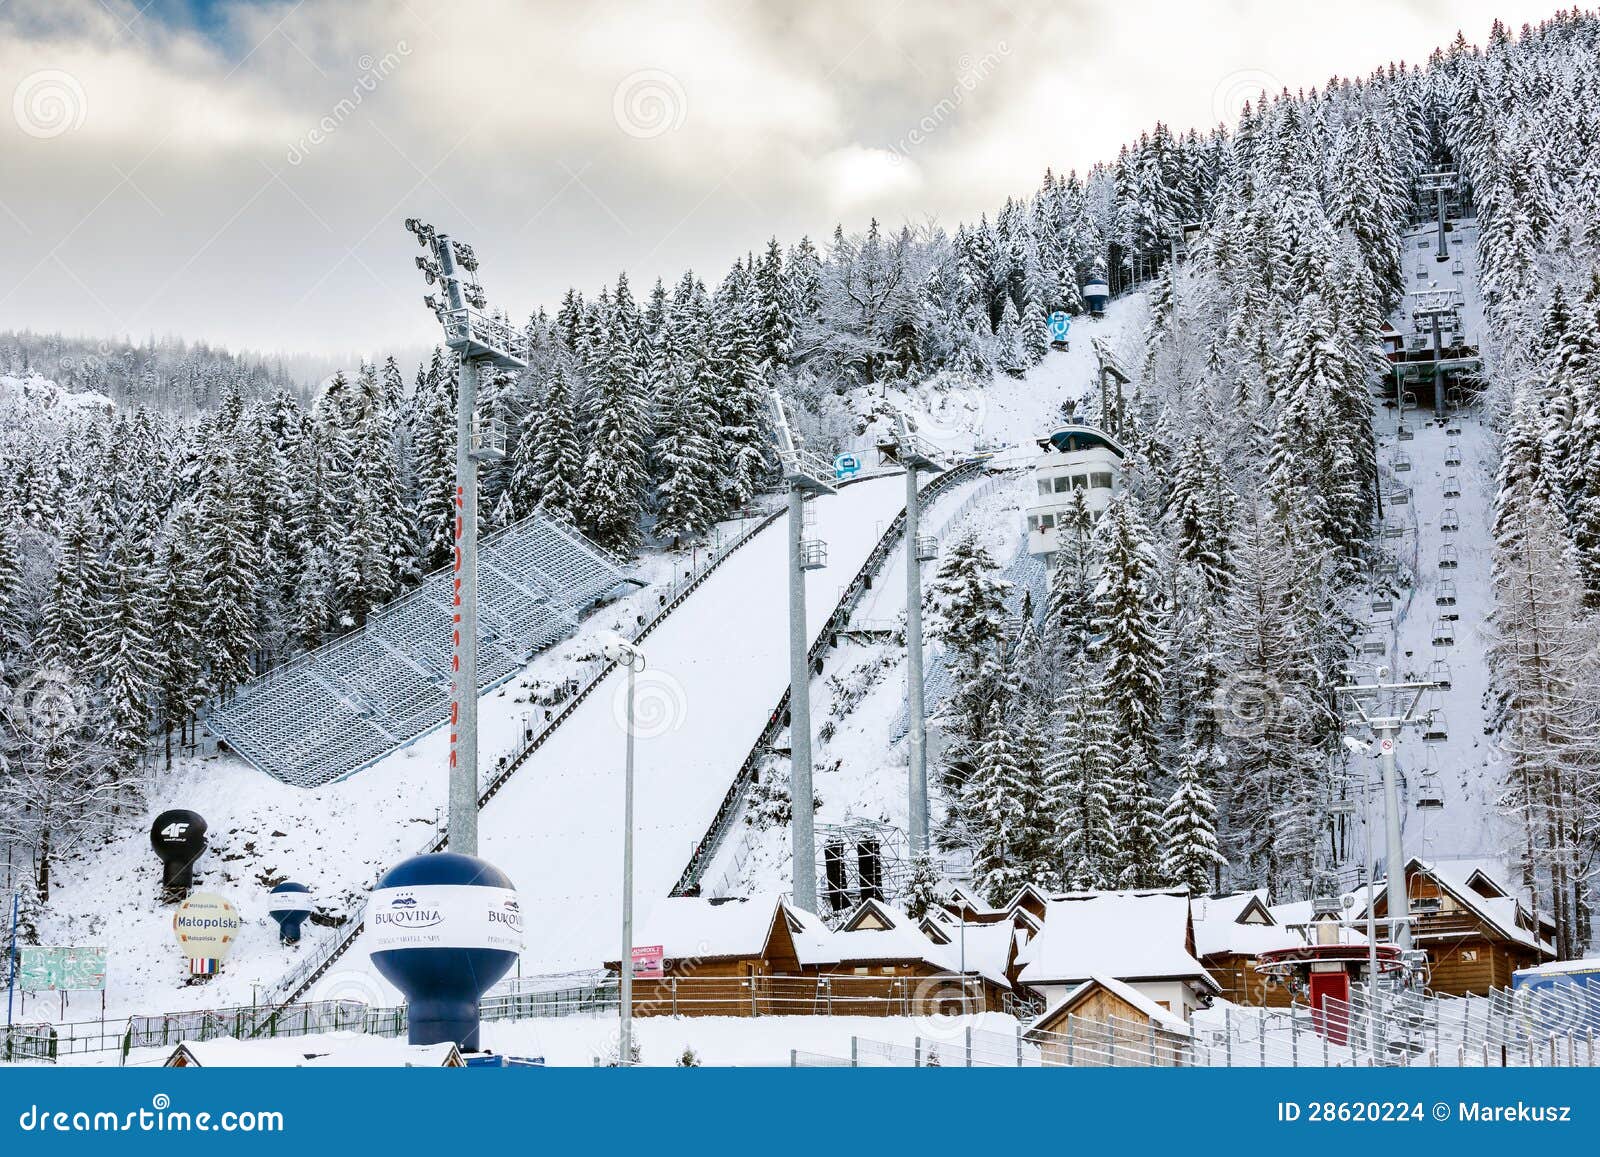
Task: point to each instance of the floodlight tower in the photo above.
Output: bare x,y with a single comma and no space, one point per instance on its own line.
1387,709
479,340
1443,184
904,447
1430,308
807,475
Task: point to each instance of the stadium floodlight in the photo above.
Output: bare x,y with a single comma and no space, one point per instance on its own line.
475,340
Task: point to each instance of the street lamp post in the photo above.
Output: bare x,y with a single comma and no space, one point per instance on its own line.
625,654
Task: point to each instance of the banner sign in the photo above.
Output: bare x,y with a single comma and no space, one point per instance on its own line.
648,962
60,969
444,916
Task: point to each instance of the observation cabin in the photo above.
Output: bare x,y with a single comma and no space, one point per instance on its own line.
1073,460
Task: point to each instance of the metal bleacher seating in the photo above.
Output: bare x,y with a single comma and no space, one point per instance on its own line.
333,711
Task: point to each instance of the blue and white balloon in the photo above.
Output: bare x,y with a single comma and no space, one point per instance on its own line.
289,904
443,928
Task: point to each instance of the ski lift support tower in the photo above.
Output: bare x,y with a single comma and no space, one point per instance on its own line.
1386,709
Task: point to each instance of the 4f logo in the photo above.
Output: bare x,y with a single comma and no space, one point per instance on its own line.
174,831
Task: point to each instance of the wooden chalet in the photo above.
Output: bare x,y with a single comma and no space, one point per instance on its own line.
1475,929
1145,939
1230,934
760,956
876,941
1104,1021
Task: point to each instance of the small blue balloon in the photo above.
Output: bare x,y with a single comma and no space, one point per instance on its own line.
289,904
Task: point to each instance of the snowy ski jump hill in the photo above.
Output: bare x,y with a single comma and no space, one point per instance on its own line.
718,665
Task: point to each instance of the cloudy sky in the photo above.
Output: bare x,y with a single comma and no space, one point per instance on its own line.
238,171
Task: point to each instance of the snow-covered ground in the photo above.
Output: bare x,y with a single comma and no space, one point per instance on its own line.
336,839
577,1041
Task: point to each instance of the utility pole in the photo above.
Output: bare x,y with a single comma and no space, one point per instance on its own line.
902,446
478,340
807,476
1386,709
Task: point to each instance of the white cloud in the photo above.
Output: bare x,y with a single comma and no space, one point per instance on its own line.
172,203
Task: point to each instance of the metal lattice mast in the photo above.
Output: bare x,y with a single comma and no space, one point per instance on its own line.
915,454
1387,709
1432,307
1443,184
807,475
478,340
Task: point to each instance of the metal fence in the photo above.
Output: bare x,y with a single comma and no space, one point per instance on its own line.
1502,1029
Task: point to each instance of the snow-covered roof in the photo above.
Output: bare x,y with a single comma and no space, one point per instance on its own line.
876,932
1163,1017
1467,880
326,1050
689,927
1125,935
1222,925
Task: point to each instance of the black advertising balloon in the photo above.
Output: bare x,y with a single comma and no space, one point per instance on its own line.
179,837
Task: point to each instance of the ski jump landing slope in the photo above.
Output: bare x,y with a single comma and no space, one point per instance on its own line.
716,667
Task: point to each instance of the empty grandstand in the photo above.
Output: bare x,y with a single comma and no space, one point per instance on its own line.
334,710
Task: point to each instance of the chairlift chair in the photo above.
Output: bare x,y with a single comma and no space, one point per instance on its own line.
1402,461
1382,602
1400,497
1444,633
1439,672
1435,729
1448,559
1450,520
1445,594
1374,644
1394,530
1452,455
1406,433
1452,486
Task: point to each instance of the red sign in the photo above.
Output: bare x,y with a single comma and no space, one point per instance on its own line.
647,962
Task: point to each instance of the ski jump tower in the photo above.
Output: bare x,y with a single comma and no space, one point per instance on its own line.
807,475
479,341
